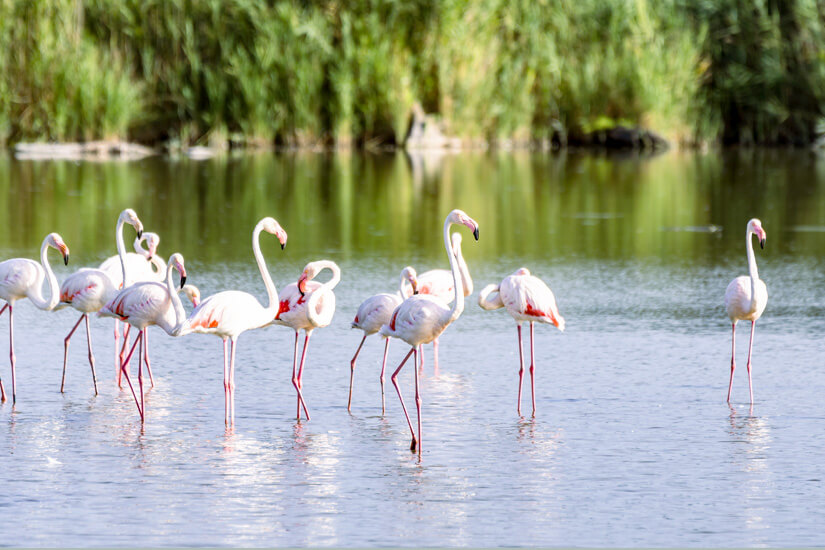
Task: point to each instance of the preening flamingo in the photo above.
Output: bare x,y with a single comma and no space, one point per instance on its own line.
88,290
307,305
143,305
746,298
527,299
373,313
439,283
23,278
232,312
420,319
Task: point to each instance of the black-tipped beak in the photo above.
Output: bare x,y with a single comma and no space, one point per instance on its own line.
182,281
415,292
66,259
139,233
283,245
475,233
762,243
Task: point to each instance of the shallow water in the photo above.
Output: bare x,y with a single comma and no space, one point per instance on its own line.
633,443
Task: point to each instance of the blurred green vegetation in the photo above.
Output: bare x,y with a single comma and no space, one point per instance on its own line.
307,73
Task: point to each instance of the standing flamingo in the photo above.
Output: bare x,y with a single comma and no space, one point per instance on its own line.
143,305
420,319
88,290
23,278
373,313
307,305
746,298
528,299
228,314
143,264
439,283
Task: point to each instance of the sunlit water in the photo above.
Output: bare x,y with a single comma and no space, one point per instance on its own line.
633,444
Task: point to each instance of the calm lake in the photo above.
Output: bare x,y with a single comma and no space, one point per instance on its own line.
633,444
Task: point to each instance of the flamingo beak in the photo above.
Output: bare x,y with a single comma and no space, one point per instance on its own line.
66,258
182,280
302,284
475,232
139,233
195,302
414,286
762,242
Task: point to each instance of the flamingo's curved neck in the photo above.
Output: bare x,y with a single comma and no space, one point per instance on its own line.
458,305
312,309
37,296
466,280
259,259
180,313
752,271
121,249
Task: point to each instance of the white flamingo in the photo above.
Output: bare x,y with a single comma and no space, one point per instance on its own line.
229,313
307,305
23,278
746,298
527,299
420,319
373,313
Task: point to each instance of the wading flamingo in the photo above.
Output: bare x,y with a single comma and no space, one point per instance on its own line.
143,305
373,313
228,314
23,278
746,298
439,283
88,290
420,319
526,298
307,305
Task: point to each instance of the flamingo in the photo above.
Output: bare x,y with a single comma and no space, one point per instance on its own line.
373,313
231,312
439,283
307,305
143,264
420,319
143,305
23,278
88,290
746,298
526,298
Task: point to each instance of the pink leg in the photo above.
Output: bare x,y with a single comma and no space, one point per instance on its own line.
421,363
125,370
295,374
532,368
11,355
225,385
117,355
732,359
91,353
2,389
301,377
146,356
400,397
142,337
435,360
750,349
383,368
233,343
418,404
123,359
352,371
66,341
520,368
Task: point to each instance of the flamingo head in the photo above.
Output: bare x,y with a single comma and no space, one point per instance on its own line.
56,241
176,261
408,274
270,225
459,216
755,227
311,271
193,293
129,216
521,271
152,242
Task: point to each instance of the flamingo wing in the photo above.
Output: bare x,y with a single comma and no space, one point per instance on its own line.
85,290
375,311
17,276
437,283
226,313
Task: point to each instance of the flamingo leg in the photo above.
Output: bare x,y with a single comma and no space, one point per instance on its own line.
435,358
732,359
234,344
2,389
383,368
66,341
295,375
750,350
12,357
146,356
125,370
520,368
141,336
421,363
532,367
117,356
401,398
225,385
418,405
91,353
124,360
352,371
301,377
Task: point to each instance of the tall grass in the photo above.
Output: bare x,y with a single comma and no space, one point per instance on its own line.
302,73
